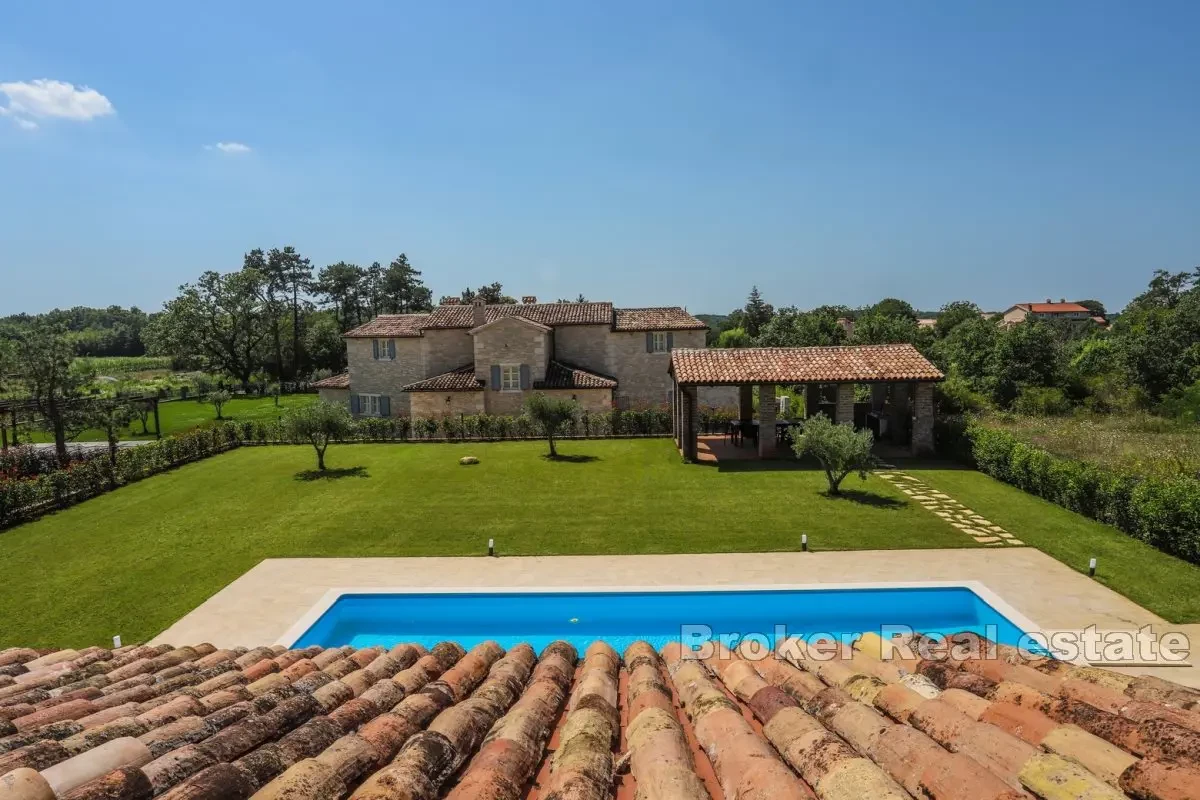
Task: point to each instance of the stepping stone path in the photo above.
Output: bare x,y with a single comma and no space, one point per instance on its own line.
949,509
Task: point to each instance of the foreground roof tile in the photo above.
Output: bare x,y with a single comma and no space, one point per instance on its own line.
406,722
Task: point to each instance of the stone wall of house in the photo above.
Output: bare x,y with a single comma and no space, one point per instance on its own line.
642,377
583,346
509,403
590,400
444,350
726,397
369,376
336,396
432,405
511,341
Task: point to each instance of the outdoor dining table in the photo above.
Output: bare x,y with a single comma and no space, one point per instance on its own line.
740,429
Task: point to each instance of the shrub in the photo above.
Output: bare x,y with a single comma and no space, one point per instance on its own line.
217,399
1041,401
840,449
1161,511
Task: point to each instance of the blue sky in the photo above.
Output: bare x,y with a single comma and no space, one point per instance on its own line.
647,153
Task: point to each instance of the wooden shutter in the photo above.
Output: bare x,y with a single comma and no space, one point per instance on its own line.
375,349
353,404
385,406
670,340
525,376
495,377
392,349
649,342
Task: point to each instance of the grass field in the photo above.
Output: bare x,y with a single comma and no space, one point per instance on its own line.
136,559
178,416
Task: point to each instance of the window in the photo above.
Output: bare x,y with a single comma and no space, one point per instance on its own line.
383,349
368,405
659,342
510,378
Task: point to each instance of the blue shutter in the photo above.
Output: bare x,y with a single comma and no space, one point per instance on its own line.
354,404
392,349
495,377
670,341
375,349
649,342
524,376
385,406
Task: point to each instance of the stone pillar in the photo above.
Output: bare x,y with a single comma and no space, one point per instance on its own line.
746,403
844,415
922,424
766,420
812,399
878,396
690,416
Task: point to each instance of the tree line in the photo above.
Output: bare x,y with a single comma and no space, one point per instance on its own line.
1149,357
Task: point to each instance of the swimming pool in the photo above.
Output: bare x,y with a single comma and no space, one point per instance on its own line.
657,615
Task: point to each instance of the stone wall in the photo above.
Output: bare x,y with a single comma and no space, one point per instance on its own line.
509,403
922,431
643,379
590,400
368,376
583,346
444,350
431,405
718,397
511,341
844,413
337,396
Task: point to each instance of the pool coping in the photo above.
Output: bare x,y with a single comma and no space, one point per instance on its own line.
331,596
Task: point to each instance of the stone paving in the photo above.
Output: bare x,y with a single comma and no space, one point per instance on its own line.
949,509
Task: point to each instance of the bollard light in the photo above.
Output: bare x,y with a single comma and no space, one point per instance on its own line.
1092,568
804,542
117,642
491,547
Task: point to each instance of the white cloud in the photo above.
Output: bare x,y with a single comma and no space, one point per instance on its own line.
232,148
44,98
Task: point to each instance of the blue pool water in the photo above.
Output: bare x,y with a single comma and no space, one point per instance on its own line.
621,618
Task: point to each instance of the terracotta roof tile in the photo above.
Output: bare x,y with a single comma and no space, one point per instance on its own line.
463,316
857,363
667,318
339,381
461,379
1056,308
370,723
398,326
565,376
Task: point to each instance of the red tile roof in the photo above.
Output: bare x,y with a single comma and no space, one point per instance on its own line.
398,326
855,363
461,379
543,313
339,381
670,318
1055,308
565,376
198,722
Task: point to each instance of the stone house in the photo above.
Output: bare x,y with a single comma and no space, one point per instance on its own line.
475,359
1062,310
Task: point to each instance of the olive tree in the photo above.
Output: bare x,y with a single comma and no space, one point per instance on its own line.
318,424
217,399
840,449
550,414
111,417
44,362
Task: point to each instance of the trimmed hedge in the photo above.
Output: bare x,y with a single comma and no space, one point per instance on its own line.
1163,512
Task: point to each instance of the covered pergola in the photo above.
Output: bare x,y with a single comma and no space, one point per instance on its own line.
901,381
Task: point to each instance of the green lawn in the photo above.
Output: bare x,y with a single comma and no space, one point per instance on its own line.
178,416
134,560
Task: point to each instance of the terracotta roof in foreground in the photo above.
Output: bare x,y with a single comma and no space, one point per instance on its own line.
461,379
669,318
565,376
339,381
202,723
397,326
856,363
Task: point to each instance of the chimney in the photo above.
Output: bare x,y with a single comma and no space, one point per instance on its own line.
528,299
452,301
1062,299
479,306
1048,300
847,325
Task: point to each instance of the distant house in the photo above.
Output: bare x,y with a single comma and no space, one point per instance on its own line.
1071,312
474,359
